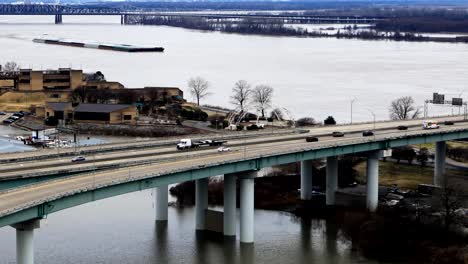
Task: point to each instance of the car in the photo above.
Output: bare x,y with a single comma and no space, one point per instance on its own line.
223,149
338,134
20,138
18,114
367,133
2,113
14,117
428,124
8,121
448,123
402,128
78,158
312,139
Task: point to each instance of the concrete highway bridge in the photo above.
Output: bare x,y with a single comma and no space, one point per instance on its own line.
75,10
23,203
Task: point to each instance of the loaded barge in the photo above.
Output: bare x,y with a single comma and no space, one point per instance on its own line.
103,46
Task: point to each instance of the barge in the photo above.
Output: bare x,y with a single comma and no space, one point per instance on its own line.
103,46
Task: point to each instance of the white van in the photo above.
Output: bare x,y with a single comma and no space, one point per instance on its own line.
428,124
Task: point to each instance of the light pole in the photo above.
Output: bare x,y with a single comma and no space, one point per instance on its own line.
373,115
459,96
352,102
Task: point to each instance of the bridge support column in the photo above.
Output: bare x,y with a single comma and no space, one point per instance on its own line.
161,203
58,19
229,216
306,179
247,207
25,241
332,179
372,197
439,163
201,202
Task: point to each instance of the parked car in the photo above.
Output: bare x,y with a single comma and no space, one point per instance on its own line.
2,113
78,158
402,128
14,117
18,114
8,121
367,133
448,123
338,134
312,139
223,149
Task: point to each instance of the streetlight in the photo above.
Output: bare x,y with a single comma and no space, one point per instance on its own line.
352,102
373,115
459,96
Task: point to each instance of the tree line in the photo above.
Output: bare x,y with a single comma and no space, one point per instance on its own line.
243,94
384,30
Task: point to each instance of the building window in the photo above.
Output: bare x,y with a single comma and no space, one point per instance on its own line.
55,96
127,117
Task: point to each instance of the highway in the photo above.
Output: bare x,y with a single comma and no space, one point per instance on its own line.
140,156
31,195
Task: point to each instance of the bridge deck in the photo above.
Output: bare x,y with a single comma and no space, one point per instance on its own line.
101,184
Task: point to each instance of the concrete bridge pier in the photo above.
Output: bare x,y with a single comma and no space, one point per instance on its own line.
58,19
372,197
247,207
439,163
25,241
201,203
306,179
229,216
332,179
123,19
161,203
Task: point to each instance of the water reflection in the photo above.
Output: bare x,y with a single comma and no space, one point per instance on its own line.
122,230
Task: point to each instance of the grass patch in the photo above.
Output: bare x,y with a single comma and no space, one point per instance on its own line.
457,144
403,175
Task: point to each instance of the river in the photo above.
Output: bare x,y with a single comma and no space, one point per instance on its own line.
122,230
311,77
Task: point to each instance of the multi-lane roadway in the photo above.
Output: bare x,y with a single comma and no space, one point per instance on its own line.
167,160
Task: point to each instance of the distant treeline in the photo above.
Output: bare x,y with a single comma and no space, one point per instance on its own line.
237,5
429,20
269,27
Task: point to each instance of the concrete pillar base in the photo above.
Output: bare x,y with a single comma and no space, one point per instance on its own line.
439,164
332,180
229,216
306,179
201,202
372,197
247,207
161,203
25,241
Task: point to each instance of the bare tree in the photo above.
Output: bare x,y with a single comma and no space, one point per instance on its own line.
450,199
262,95
277,114
404,108
241,93
10,66
198,88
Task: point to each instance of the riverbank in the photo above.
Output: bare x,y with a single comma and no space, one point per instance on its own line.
268,27
401,233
